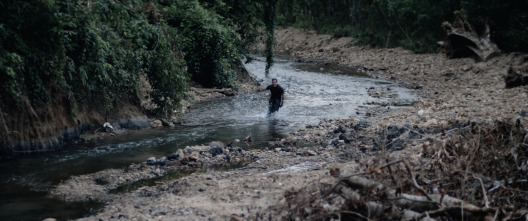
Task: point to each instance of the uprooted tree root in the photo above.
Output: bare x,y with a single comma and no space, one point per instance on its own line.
479,172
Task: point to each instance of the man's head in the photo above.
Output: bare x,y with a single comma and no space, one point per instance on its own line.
274,82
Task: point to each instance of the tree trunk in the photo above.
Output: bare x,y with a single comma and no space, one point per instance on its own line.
463,40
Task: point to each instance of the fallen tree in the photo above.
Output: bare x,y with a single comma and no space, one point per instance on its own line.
463,40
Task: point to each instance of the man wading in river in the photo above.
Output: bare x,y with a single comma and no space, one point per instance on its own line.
277,96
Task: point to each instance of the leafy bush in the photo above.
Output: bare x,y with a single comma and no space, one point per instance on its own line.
209,47
115,44
245,16
86,51
30,50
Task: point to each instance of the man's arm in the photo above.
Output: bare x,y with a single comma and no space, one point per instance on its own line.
282,99
263,89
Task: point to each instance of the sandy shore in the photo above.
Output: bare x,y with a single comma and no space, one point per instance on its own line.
434,139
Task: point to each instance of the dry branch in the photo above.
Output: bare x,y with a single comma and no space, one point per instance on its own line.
415,206
484,194
472,173
415,184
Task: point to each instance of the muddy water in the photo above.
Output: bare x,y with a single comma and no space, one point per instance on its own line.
313,92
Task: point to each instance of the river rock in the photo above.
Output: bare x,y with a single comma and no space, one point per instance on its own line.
108,127
216,151
177,155
151,161
217,144
134,123
192,160
430,123
165,123
309,153
156,123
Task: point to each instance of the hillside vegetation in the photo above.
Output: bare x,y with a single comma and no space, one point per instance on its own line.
64,64
412,24
69,66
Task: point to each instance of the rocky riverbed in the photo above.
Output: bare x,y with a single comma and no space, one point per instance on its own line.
460,150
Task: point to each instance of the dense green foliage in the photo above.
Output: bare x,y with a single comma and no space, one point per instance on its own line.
245,16
413,24
209,46
85,51
29,57
248,17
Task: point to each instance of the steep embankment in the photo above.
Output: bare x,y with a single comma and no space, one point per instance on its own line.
47,126
73,66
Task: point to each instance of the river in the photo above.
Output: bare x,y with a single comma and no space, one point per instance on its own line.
313,92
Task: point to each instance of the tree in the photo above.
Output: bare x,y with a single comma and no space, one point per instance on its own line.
413,24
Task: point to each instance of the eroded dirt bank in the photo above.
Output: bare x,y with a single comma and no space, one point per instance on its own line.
458,152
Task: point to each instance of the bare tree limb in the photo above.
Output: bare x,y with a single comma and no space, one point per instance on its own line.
484,194
391,163
415,184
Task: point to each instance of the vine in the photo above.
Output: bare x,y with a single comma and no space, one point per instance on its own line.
269,20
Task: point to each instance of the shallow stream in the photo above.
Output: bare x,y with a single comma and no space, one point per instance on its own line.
313,92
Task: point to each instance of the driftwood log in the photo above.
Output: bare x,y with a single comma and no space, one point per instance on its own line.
463,40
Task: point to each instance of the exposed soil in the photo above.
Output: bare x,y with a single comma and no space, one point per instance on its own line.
28,129
459,152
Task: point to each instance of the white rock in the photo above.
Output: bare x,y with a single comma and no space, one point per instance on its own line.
108,127
431,122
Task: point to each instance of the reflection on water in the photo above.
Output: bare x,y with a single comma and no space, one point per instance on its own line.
312,93
20,203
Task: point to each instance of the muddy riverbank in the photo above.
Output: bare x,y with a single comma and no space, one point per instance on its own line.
463,139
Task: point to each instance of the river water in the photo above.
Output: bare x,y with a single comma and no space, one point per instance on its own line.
313,92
